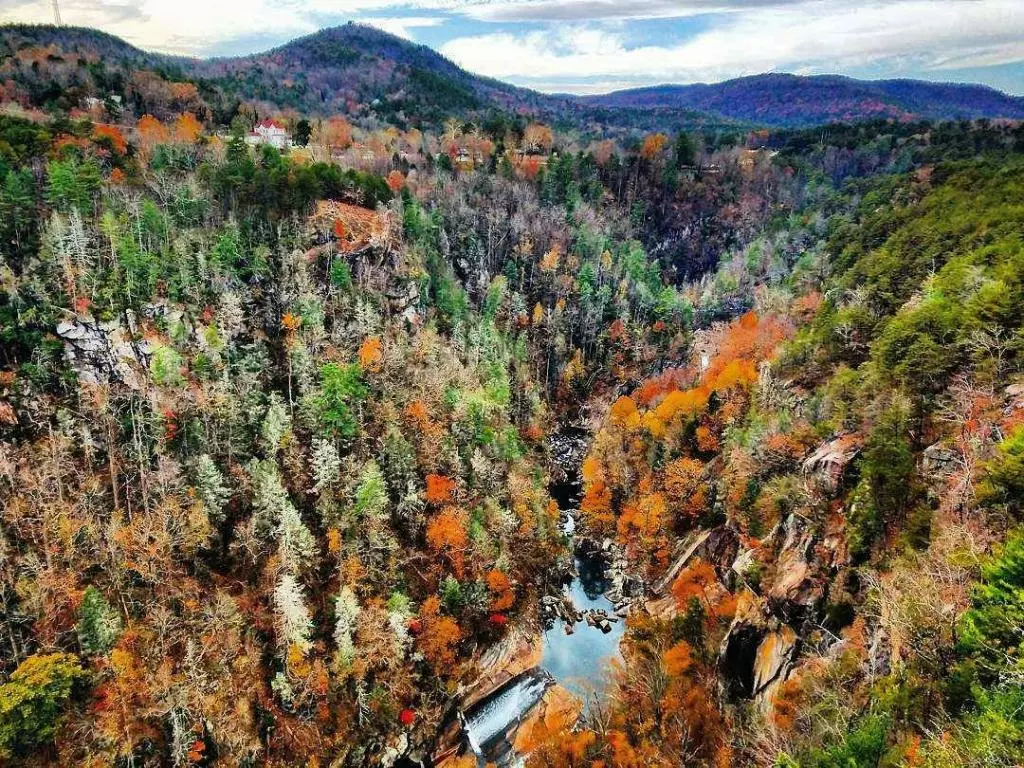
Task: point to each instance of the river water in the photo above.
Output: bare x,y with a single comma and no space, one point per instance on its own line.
579,661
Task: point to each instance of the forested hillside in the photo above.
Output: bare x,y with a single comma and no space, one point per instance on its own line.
373,77
793,101
283,477
369,76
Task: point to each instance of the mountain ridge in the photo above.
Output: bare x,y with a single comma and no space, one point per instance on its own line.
783,99
345,68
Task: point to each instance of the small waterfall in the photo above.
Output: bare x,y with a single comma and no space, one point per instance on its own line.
489,721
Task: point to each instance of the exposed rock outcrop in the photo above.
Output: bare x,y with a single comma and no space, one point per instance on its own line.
738,652
104,351
797,591
827,466
717,546
517,653
623,583
938,462
773,662
758,652
568,448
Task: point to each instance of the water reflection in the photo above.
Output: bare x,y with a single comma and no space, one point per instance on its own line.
580,661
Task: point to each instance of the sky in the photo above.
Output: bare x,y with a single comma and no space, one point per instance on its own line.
594,46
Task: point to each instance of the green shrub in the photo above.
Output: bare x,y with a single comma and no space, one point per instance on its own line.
165,366
1004,478
993,630
73,184
886,487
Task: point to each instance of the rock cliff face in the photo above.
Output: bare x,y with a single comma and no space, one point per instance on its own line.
517,653
773,662
103,352
758,652
717,546
808,568
827,466
798,588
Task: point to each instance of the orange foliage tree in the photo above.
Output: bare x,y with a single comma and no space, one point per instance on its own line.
642,524
186,128
371,355
685,486
696,580
538,138
502,596
396,181
446,536
624,413
653,145
113,134
151,131
440,489
438,636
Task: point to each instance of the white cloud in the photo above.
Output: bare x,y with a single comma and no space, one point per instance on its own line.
401,26
594,10
811,36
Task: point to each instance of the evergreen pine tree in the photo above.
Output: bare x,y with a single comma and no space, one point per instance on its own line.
99,625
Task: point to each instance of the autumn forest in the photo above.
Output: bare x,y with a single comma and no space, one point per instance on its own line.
337,422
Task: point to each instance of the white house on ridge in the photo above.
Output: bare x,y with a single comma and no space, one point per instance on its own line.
269,132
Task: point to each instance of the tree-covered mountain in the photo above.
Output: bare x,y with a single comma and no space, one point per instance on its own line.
355,70
793,100
368,74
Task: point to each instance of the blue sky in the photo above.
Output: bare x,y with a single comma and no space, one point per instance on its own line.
587,46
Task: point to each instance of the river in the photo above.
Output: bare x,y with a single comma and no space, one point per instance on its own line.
576,655
580,661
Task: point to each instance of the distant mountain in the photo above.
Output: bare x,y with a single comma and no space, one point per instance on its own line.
352,69
355,70
373,76
335,70
792,100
